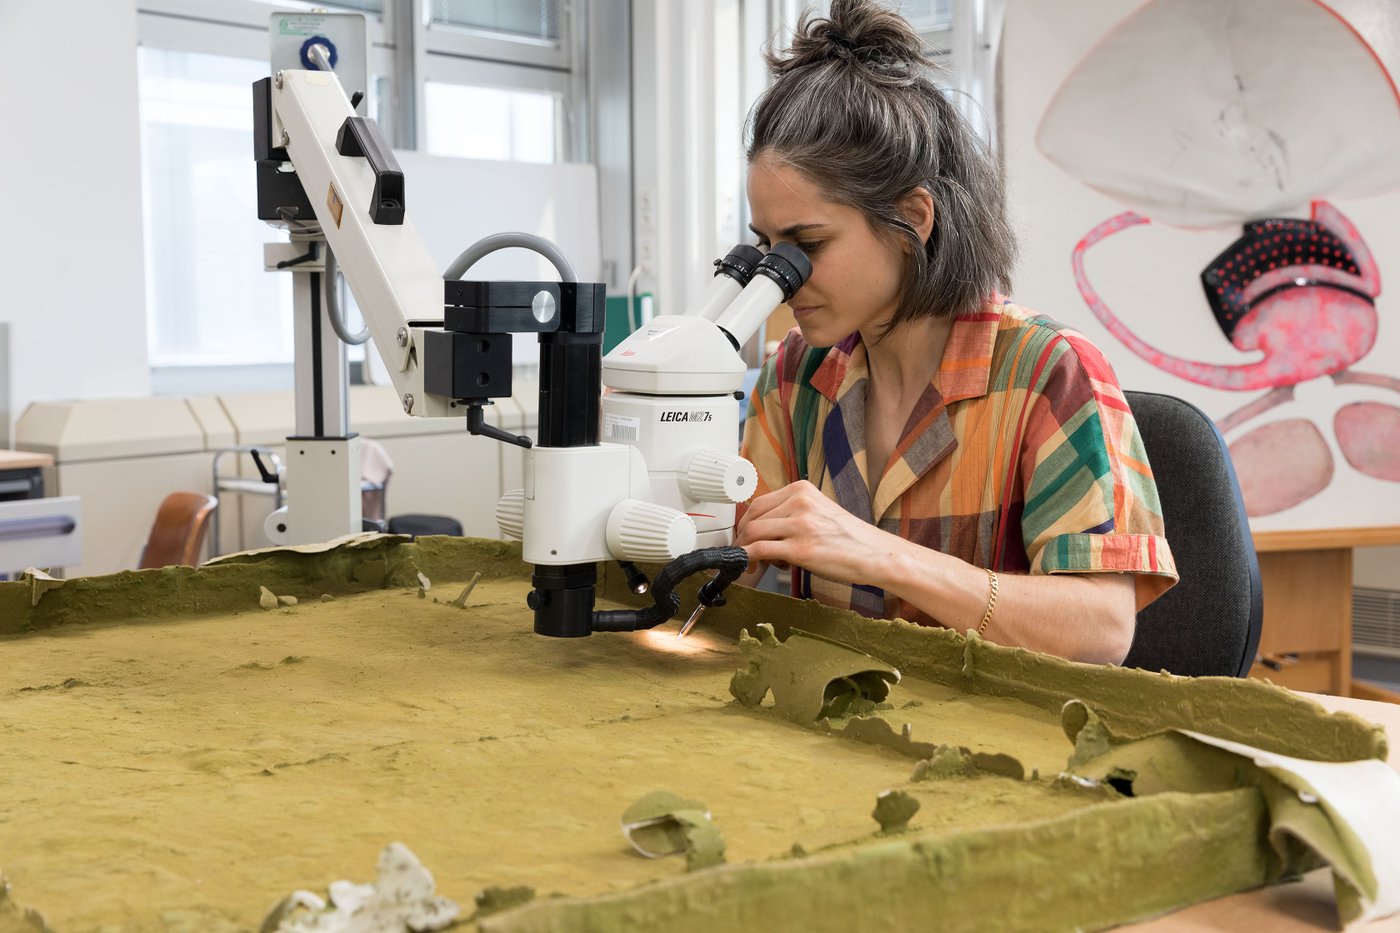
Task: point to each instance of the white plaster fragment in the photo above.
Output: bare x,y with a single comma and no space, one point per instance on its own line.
401,900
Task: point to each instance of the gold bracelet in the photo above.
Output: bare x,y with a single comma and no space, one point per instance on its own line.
991,602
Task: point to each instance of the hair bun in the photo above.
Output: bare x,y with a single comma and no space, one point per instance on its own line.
861,32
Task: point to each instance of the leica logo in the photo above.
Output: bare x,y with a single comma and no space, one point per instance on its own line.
685,416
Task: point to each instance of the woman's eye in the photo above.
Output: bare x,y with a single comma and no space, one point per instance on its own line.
810,246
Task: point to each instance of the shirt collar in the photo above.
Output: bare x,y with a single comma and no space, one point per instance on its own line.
964,372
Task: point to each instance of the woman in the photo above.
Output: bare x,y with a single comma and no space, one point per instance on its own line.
926,449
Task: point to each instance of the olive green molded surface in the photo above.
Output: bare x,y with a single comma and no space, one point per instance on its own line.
474,742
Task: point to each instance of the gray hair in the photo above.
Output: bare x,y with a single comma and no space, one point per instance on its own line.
852,106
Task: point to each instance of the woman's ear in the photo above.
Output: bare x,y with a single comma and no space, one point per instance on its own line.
917,208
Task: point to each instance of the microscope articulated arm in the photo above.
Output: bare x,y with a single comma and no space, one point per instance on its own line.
395,281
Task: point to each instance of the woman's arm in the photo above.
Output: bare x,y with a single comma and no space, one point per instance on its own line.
1083,617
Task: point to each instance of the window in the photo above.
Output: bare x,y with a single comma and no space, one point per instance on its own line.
496,79
208,301
529,33
530,19
491,123
927,16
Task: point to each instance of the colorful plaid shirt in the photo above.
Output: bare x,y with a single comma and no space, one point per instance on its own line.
1021,456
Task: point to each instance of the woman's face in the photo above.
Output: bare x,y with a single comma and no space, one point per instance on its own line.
856,276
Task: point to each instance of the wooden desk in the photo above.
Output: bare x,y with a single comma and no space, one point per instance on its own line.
21,474
1304,906
1307,607
23,460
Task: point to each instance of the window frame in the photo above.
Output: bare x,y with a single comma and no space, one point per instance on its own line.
397,73
559,54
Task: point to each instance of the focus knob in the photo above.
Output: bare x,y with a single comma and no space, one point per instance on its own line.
510,514
645,531
715,477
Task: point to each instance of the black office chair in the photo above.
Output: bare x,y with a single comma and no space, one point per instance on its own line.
415,525
1209,622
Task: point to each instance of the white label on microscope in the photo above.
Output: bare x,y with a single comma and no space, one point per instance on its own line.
621,428
657,331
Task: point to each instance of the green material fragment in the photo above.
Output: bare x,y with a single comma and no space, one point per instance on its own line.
704,846
893,811
404,573
286,600
266,598
1092,739
1000,763
947,761
875,731
662,823
496,899
811,677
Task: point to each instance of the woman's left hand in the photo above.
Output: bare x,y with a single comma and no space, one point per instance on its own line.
799,525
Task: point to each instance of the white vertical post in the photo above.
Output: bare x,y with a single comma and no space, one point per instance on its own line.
674,107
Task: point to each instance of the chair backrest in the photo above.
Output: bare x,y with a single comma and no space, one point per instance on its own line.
425,525
178,531
375,469
1209,622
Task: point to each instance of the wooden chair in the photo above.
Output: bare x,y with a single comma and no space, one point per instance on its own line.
178,533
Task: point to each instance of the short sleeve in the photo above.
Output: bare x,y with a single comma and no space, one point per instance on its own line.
767,439
1091,504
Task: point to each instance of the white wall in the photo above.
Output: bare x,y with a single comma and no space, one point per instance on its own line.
71,257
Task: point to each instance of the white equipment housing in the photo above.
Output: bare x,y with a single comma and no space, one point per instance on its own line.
666,477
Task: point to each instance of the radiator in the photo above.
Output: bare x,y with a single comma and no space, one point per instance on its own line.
1375,621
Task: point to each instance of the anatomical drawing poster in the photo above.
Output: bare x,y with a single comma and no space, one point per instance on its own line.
1210,190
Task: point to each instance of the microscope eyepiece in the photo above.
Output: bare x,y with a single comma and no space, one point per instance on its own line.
740,263
786,265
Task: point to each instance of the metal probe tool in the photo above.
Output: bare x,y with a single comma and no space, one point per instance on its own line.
690,623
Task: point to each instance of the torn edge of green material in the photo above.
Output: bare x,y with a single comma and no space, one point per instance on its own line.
1113,859
496,898
819,683
1304,832
233,583
1245,710
1248,711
